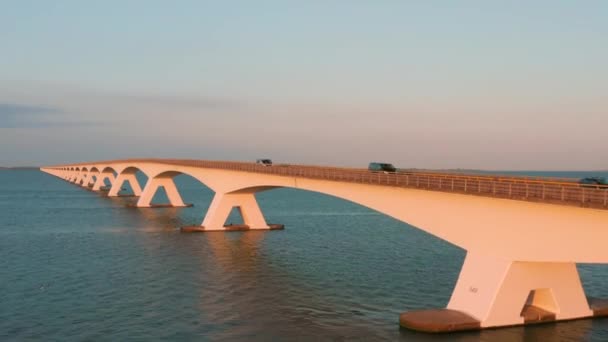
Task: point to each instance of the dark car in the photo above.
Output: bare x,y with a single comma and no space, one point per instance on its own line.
594,182
381,167
265,162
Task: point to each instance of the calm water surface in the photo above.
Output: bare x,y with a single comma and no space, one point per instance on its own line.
78,266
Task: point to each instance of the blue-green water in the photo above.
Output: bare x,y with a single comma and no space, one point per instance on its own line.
78,266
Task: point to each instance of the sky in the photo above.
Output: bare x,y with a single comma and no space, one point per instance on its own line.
501,85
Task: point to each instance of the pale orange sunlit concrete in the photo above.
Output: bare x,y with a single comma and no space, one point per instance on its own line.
518,252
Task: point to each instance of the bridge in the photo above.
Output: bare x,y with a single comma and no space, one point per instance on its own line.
523,236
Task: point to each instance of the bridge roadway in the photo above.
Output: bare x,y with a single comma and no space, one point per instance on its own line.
523,236
538,189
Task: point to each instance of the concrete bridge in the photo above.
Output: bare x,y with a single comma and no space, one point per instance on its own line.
523,236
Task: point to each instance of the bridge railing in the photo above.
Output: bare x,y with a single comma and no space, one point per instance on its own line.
521,188
547,190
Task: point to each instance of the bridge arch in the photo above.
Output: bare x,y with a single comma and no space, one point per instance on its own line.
198,176
163,179
84,173
91,176
101,176
258,188
108,169
94,171
130,169
75,175
127,173
369,200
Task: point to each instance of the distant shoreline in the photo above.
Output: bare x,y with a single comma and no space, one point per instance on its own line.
20,168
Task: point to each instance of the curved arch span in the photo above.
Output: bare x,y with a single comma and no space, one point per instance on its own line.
126,174
165,180
108,169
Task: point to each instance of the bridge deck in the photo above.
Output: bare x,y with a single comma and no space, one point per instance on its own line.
546,190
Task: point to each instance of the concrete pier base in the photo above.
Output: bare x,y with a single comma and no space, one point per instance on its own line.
438,321
162,205
229,228
446,320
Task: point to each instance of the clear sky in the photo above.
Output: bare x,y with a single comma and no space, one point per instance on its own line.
428,84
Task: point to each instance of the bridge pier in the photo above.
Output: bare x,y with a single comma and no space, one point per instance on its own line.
93,177
120,180
175,199
81,179
493,293
101,180
86,180
222,205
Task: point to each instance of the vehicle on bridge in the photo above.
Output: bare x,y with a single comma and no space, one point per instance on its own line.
265,162
594,182
381,167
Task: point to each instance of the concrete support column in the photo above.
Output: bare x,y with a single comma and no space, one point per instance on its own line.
120,180
84,179
496,291
175,200
101,180
89,181
222,205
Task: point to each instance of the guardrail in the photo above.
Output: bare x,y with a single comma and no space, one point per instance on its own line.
517,188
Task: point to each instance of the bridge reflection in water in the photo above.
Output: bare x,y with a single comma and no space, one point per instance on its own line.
523,236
